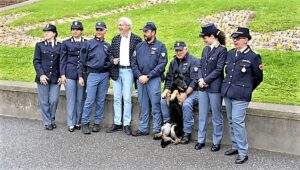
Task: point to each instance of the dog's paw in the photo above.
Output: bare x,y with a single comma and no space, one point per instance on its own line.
177,141
174,95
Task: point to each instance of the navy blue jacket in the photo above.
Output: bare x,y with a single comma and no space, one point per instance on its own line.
46,61
149,59
187,66
115,52
70,51
94,56
243,75
211,68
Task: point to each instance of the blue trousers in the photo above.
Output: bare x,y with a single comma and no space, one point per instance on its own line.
236,114
74,92
187,109
214,101
96,90
48,96
149,95
123,88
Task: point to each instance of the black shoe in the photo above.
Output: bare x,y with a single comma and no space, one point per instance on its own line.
241,159
139,133
186,138
71,128
231,152
199,146
127,130
96,128
157,136
54,126
215,148
49,127
78,127
86,129
114,128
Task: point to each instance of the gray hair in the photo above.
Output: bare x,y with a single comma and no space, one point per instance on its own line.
125,20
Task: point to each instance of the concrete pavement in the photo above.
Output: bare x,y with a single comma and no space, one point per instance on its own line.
25,145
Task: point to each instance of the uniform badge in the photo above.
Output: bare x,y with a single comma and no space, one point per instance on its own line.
243,69
163,54
261,66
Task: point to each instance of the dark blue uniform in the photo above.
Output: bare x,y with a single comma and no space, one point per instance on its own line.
46,61
243,74
70,58
211,68
211,71
94,56
151,60
187,66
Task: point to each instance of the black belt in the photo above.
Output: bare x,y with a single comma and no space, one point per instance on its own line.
126,67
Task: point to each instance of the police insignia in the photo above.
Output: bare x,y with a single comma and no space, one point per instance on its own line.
163,54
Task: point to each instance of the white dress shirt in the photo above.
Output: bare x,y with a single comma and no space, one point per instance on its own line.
124,50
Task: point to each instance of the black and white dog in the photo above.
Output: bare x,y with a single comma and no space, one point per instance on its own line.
172,131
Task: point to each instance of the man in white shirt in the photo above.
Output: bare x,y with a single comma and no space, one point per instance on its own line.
122,48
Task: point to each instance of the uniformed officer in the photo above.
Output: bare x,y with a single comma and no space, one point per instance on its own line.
69,74
185,64
243,74
94,55
210,80
149,61
46,63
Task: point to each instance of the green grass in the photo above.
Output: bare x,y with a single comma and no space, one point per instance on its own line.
179,22
53,9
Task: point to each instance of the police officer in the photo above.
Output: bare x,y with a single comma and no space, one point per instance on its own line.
46,63
243,74
210,80
94,55
68,70
149,61
185,64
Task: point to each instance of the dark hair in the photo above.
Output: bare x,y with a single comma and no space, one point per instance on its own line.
220,35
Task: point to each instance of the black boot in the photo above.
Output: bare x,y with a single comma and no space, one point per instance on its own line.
186,138
86,129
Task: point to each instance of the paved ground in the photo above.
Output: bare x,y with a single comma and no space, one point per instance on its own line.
25,145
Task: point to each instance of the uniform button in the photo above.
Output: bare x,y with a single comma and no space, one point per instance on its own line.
51,61
205,74
233,63
232,70
78,52
243,85
230,76
229,82
51,55
50,72
51,67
